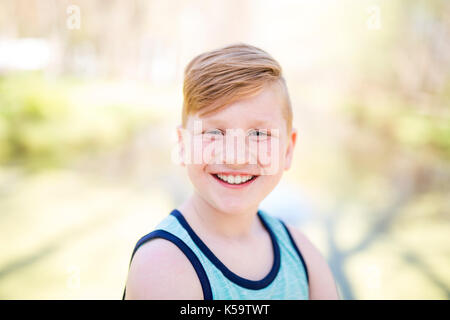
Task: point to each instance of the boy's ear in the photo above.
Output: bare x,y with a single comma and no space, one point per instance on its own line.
292,138
180,145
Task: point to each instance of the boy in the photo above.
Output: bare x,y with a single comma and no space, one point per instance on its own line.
217,244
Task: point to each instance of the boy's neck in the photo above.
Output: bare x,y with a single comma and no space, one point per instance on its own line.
236,226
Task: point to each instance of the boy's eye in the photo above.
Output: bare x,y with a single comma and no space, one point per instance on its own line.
213,132
258,133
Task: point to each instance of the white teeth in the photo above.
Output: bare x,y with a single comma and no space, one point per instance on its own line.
234,179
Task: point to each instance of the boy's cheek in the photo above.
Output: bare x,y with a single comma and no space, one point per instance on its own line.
192,150
196,173
212,152
269,157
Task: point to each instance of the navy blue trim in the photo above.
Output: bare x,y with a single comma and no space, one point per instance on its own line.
206,286
296,249
246,283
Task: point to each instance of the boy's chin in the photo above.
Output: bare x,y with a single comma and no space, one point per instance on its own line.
232,208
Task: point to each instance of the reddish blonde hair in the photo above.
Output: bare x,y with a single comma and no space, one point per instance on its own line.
220,77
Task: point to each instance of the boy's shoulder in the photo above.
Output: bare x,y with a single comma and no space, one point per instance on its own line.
160,270
321,280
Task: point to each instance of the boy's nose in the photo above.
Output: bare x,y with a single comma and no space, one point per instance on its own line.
237,152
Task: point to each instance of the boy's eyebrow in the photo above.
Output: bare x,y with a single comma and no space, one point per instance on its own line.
263,123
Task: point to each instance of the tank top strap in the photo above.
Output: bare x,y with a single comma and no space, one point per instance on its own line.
285,238
168,229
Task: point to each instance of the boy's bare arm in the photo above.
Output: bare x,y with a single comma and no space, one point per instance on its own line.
322,285
160,271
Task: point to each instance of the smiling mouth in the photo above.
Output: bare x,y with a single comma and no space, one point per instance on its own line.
235,180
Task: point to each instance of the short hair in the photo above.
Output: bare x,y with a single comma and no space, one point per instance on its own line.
220,77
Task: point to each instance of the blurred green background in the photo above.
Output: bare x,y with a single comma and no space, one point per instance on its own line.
90,95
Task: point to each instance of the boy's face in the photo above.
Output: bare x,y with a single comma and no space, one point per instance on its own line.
246,140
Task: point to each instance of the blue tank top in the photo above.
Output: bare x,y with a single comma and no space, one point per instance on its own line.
287,279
